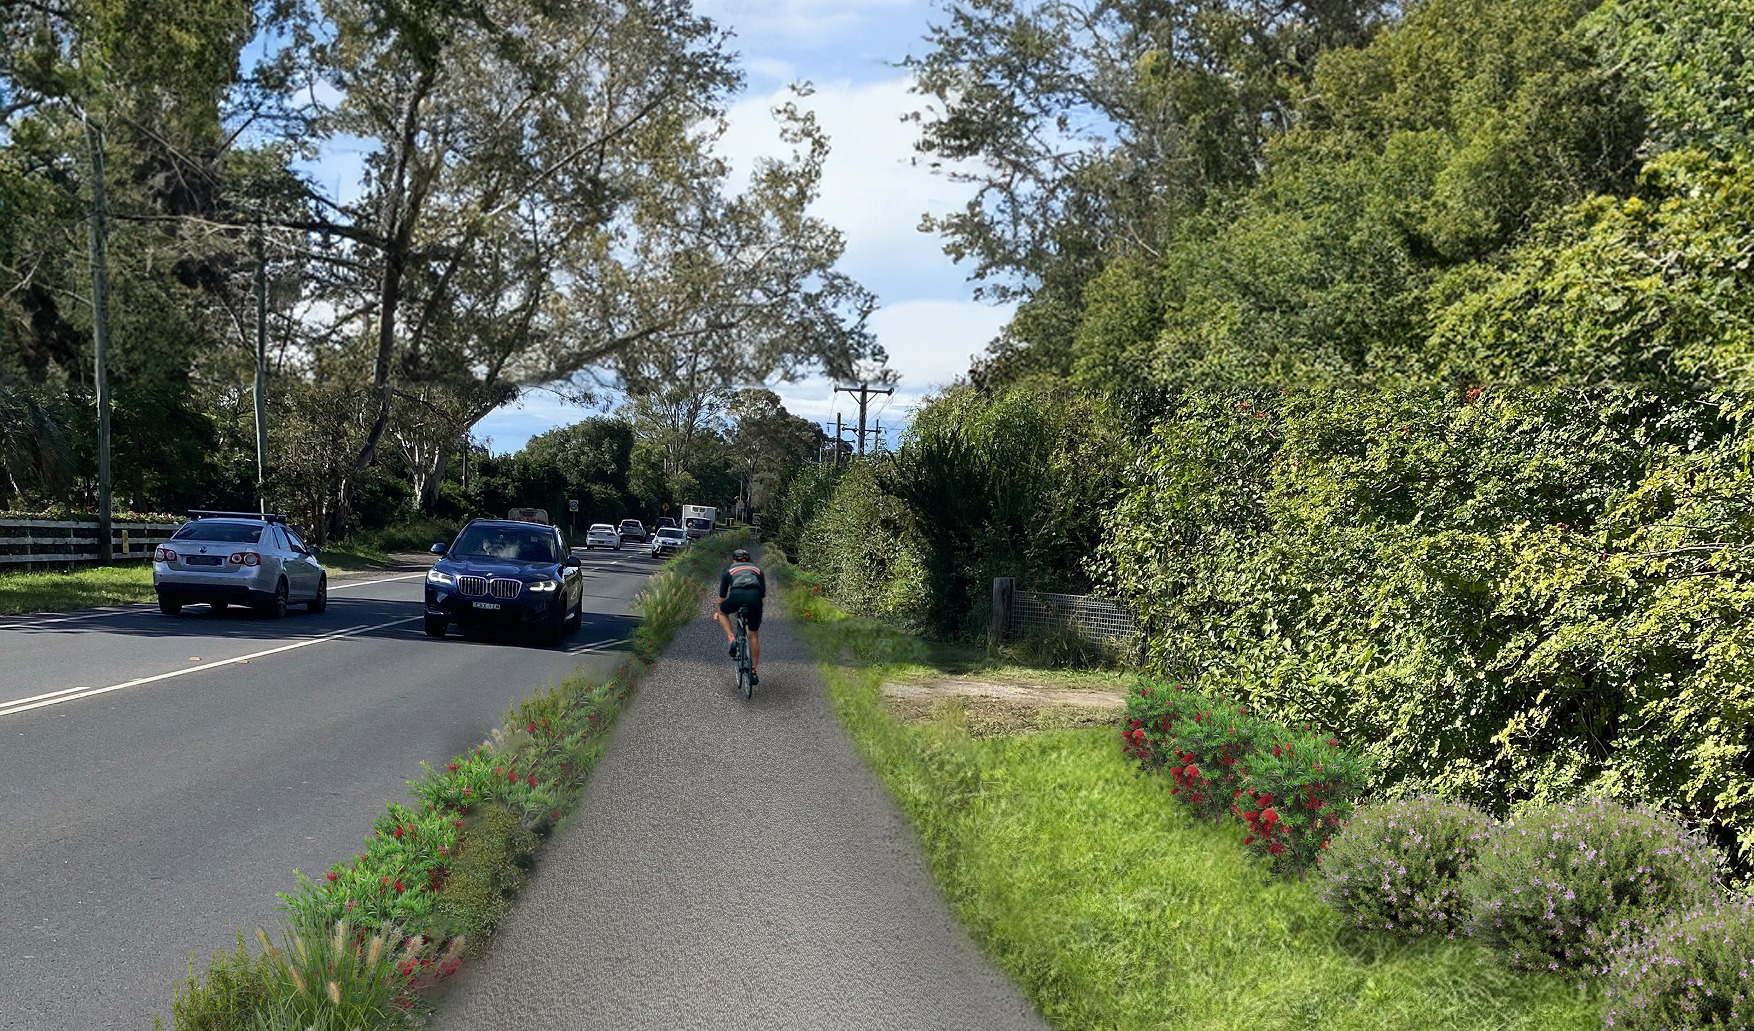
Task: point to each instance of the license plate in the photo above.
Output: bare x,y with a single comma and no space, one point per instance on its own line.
204,560
490,606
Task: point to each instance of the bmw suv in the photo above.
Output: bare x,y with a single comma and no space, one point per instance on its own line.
505,574
238,558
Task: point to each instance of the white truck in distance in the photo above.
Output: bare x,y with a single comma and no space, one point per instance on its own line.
698,520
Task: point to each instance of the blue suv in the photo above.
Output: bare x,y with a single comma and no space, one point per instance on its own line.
506,574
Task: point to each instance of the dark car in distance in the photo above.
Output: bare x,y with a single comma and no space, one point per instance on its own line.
499,573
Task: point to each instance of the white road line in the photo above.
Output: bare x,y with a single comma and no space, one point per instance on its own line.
26,623
368,583
38,701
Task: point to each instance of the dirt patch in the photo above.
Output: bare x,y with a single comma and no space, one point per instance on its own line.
989,708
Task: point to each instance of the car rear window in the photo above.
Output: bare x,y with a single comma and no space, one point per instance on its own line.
700,524
506,543
227,533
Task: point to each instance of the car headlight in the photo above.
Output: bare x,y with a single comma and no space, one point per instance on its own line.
542,586
439,577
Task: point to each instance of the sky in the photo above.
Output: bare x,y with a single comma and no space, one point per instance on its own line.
849,50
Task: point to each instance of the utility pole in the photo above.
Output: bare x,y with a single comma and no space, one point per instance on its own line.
863,392
100,330
261,372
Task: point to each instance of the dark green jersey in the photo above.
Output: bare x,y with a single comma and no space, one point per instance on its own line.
746,578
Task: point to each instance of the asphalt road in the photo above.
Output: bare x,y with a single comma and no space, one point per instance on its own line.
155,794
733,864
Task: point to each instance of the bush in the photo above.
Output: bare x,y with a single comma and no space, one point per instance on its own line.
489,871
1398,867
1559,887
1692,971
1291,788
228,997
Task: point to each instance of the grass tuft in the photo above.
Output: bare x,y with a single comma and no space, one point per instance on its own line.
84,588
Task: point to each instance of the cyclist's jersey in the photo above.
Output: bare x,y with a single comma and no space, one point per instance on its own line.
746,579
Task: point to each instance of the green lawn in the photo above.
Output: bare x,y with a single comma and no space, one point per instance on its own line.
85,588
1112,911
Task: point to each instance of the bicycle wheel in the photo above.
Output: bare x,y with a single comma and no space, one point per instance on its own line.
745,663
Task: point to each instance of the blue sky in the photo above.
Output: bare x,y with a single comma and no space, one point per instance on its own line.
849,50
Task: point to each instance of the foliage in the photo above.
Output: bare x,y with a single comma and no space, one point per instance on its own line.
859,545
1058,859
90,587
804,496
1689,971
1003,486
1290,788
226,997
1559,887
1397,867
347,978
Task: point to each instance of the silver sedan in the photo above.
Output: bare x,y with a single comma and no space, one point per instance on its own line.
238,558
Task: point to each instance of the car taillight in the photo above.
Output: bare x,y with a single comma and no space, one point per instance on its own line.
245,558
163,555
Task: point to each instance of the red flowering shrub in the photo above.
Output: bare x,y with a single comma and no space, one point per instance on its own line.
1291,789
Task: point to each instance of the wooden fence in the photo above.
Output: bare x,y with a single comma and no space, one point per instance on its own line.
59,542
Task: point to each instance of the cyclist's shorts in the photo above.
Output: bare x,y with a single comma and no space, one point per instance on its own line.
730,603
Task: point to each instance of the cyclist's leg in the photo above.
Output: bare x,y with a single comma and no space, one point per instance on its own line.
724,622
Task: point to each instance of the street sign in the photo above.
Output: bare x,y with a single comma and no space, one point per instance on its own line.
573,505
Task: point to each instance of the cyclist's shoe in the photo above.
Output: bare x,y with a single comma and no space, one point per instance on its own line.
733,651
754,681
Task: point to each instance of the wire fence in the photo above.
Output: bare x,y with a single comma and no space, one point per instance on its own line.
1100,619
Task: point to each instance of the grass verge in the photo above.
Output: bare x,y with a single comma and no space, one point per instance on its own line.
439,875
84,588
1109,909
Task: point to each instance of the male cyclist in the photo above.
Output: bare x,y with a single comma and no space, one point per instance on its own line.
744,585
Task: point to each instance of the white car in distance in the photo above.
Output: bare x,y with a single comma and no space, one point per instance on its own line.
602,535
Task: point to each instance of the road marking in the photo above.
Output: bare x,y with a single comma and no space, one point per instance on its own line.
19,705
368,583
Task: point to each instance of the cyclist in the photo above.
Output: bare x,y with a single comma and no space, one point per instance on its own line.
743,586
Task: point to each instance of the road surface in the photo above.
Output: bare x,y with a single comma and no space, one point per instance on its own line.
155,792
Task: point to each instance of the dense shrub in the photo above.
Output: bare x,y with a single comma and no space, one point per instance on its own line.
1558,887
860,545
1291,788
1692,970
1397,867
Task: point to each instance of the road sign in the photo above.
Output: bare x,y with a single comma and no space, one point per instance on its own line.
573,505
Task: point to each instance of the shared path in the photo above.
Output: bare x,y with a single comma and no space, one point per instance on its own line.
734,864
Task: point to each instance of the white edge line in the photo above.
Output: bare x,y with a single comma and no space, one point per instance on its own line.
367,583
12,708
22,620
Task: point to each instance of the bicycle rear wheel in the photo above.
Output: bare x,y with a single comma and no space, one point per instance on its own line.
745,663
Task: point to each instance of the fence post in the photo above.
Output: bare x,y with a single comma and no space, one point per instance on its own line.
1004,592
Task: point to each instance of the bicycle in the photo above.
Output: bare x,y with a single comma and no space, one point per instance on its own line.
745,662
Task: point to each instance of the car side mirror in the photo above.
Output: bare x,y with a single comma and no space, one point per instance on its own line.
438,549
572,561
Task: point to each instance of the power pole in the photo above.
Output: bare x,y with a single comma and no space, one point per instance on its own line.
100,331
863,392
261,372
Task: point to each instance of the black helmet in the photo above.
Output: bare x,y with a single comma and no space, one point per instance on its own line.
741,554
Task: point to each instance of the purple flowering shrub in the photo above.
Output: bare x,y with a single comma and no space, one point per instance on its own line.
1397,867
1559,887
1696,970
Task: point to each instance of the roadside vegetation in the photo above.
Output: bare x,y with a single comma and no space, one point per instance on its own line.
1109,907
364,941
66,590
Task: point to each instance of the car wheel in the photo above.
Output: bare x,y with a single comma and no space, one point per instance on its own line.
321,602
169,607
436,626
276,609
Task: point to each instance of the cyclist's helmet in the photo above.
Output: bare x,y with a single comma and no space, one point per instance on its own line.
740,555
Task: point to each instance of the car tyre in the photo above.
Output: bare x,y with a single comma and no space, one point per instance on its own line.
169,607
320,603
276,609
436,626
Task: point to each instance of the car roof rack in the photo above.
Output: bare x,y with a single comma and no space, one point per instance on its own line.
213,513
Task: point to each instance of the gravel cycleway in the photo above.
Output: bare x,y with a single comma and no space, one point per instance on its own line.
733,864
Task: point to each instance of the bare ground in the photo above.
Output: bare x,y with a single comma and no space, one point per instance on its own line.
991,708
